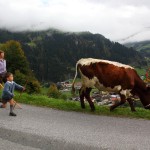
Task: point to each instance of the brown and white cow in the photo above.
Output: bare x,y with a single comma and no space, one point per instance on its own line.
111,76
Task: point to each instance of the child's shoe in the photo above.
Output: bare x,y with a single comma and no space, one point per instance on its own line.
12,114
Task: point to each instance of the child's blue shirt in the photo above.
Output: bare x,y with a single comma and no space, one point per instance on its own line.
9,87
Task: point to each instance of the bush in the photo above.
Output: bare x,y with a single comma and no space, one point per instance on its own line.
19,77
53,91
32,85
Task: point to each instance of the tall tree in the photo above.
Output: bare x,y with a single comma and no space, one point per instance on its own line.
16,60
17,64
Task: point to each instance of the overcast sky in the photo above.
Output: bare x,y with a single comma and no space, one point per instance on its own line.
118,20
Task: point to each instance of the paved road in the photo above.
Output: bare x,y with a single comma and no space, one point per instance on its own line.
41,128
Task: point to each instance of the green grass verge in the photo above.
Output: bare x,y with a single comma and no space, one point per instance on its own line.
66,105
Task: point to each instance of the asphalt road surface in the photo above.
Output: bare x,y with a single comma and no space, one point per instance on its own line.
37,128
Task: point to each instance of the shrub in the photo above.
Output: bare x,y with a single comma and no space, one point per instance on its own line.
32,84
19,77
53,91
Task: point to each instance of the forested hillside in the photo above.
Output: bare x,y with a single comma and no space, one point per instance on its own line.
143,47
53,54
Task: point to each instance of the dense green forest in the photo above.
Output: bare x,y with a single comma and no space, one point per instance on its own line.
52,54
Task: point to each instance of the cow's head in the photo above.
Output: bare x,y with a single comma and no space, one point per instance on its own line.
145,98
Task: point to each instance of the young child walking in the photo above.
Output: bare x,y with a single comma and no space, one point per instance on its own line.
8,92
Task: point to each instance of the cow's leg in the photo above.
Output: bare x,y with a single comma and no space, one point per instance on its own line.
87,96
122,101
81,93
130,101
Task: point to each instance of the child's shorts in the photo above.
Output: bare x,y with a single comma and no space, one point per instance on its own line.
5,100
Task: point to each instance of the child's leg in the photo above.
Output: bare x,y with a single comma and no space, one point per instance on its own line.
11,105
11,108
3,105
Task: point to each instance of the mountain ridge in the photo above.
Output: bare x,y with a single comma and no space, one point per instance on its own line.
50,52
143,47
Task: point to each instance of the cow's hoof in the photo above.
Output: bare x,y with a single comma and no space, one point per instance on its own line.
111,108
92,109
83,107
133,110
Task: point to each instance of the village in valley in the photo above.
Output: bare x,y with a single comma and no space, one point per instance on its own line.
99,97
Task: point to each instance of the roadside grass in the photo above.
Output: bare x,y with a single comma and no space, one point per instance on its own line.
44,91
68,105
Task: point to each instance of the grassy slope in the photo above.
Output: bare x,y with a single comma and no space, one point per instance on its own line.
141,71
44,101
139,45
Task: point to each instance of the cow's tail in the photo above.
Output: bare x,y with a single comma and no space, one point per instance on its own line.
73,83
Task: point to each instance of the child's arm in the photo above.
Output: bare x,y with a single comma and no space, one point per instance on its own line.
19,87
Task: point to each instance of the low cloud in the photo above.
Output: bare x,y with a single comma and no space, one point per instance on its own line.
115,19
